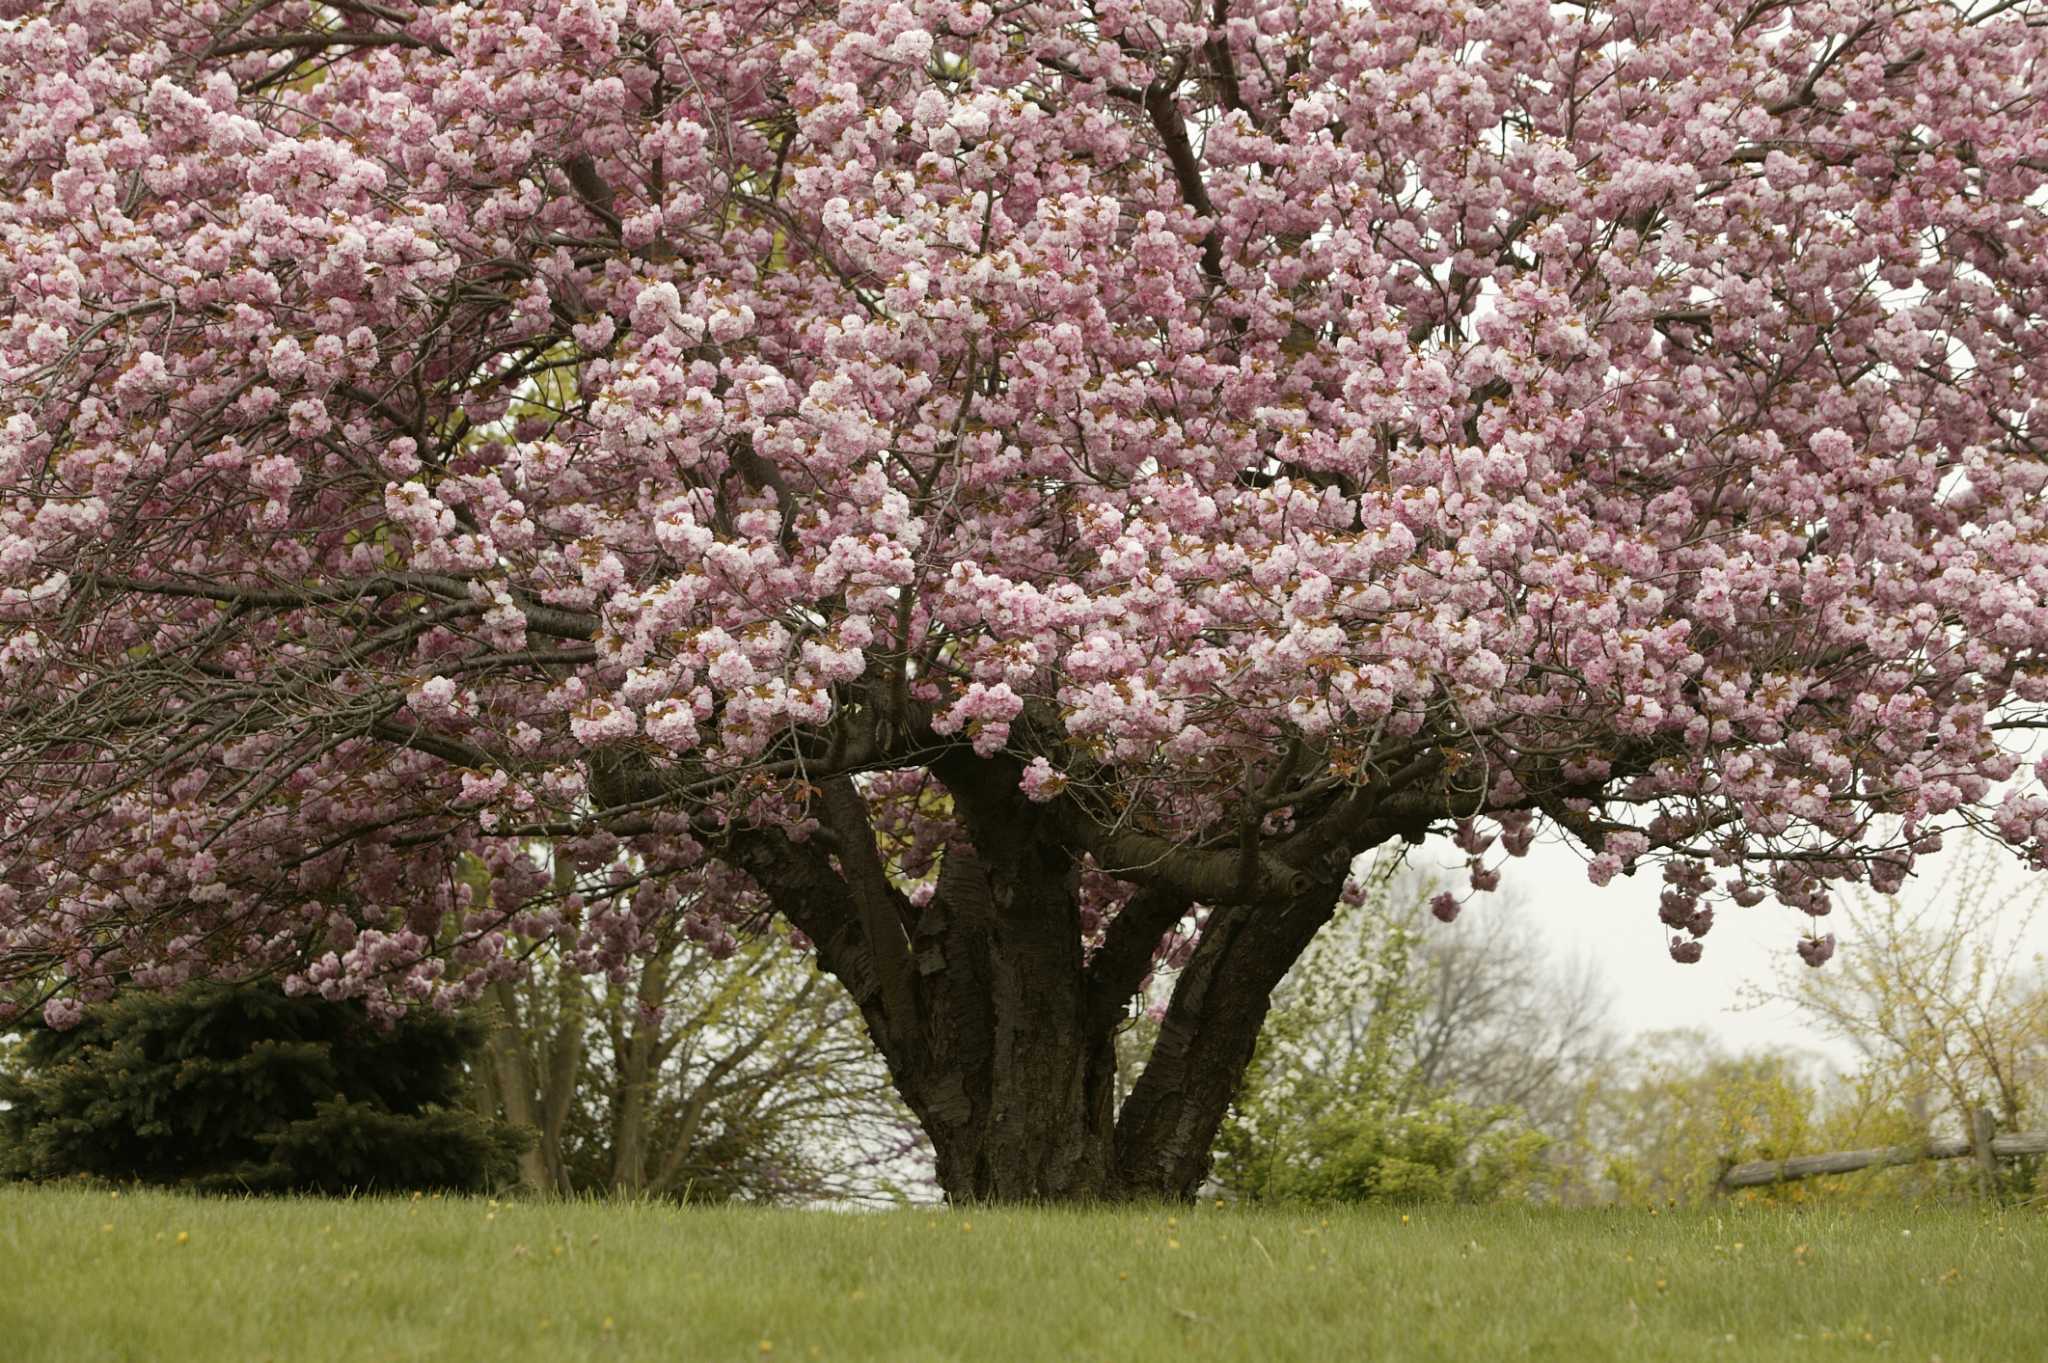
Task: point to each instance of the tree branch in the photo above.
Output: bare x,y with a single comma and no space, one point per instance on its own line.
1125,956
1162,106
881,907
1214,877
318,41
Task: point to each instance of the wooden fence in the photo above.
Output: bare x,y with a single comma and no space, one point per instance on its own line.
1983,1143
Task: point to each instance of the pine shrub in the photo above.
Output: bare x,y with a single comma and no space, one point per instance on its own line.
226,1088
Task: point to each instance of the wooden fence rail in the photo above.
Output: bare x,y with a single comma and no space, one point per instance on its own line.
1757,1173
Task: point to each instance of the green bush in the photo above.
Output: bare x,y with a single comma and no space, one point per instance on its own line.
1334,1107
239,1088
1443,1151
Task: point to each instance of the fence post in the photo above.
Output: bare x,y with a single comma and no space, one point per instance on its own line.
1981,1128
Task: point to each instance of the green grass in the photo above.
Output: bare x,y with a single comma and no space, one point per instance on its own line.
87,1276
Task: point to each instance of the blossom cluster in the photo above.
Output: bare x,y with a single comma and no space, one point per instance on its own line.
477,439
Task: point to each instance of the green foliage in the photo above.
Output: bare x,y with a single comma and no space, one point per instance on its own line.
1417,1062
1335,1107
239,1088
348,1146
1443,1151
1657,1129
1681,1112
1944,1004
1936,997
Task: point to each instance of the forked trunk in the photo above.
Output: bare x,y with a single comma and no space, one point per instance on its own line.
1000,1032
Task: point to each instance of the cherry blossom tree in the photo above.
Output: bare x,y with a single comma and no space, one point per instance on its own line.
1025,493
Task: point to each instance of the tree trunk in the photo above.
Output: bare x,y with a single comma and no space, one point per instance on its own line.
564,1071
1016,1086
998,1030
514,1082
634,1074
1169,1123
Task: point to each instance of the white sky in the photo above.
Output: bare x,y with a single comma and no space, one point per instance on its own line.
1616,927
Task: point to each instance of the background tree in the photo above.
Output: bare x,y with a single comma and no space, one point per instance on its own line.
1935,996
995,485
1503,1022
1659,1124
1408,1061
1663,1118
744,1074
1940,998
237,1088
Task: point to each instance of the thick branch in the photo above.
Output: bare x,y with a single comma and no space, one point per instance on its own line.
449,750
1125,956
1214,877
1169,1123
880,905
552,621
315,42
1163,108
1365,817
1222,65
800,881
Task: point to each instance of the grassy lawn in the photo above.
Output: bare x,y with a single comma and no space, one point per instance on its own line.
160,1279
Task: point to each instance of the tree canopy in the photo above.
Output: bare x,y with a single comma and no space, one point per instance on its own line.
996,484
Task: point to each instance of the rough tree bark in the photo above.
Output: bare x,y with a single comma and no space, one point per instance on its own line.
999,1032
1212,1023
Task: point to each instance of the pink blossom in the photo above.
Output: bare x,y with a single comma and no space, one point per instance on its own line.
1184,453
1041,782
435,698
